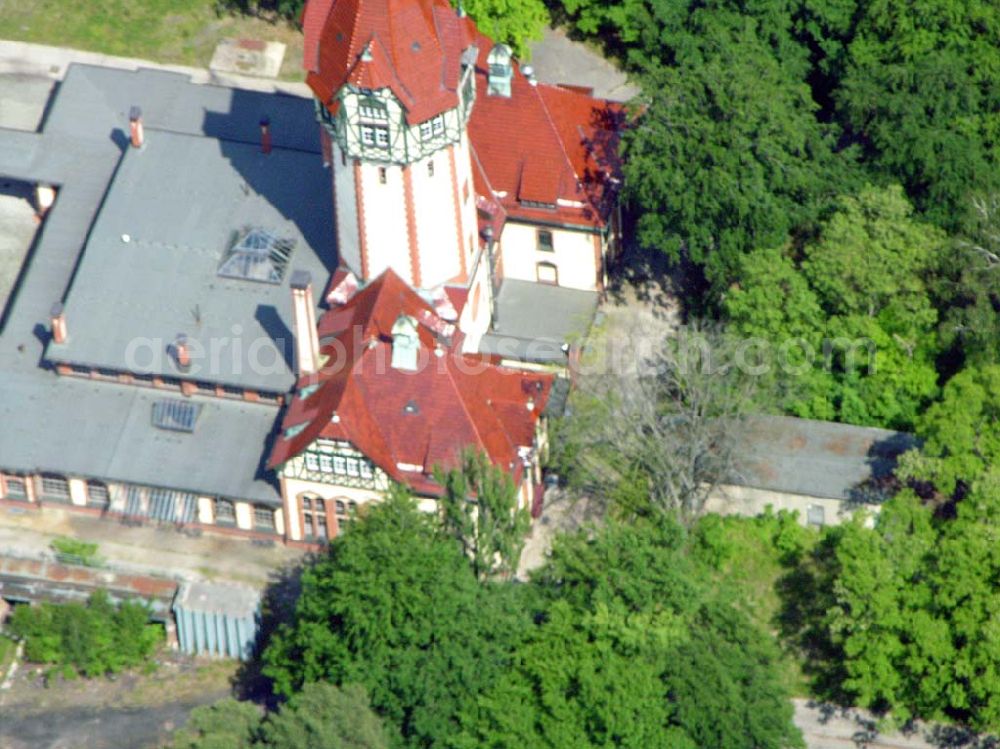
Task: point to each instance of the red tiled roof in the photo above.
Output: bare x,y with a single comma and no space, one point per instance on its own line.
415,48
543,144
423,418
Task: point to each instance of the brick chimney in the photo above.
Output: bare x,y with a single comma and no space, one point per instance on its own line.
58,315
138,135
304,320
182,351
265,135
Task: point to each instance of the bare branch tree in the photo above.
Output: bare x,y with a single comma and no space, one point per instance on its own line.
655,418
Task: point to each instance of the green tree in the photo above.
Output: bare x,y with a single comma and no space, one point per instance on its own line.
226,724
397,610
93,639
480,510
854,336
514,22
727,154
918,89
323,716
961,433
633,649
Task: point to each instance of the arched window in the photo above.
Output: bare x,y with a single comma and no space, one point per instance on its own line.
548,273
313,518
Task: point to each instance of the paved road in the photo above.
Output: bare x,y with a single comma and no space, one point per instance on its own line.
833,728
558,59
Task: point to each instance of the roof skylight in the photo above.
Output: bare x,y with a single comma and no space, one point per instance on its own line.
175,415
258,255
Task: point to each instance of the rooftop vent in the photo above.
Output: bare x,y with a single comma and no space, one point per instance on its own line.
257,256
411,407
175,415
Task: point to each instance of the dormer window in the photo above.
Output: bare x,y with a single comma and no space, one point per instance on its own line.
405,344
500,69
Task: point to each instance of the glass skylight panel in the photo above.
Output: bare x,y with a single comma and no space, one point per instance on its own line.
258,256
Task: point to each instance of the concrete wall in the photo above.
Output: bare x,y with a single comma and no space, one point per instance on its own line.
573,253
749,501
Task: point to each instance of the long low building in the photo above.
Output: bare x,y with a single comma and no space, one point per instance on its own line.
96,410
822,470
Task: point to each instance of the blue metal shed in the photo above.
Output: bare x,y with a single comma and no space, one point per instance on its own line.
217,619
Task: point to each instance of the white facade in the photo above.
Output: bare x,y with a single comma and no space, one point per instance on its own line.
568,258
403,193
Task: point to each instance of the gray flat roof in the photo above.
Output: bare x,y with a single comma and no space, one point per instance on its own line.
181,201
230,599
815,458
533,320
104,430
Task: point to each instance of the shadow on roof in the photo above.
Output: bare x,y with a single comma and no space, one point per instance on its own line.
283,190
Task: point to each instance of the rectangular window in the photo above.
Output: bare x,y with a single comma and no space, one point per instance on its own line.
375,135
372,109
352,467
17,487
340,465
225,511
321,527
430,168
97,494
437,124
382,175
366,469
263,518
55,487
545,241
312,462
325,464
816,515
425,131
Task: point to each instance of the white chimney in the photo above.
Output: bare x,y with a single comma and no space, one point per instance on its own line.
304,320
137,134
45,196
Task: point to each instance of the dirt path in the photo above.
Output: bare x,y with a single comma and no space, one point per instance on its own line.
135,711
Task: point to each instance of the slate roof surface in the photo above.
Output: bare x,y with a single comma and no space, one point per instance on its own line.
182,200
421,418
815,458
104,430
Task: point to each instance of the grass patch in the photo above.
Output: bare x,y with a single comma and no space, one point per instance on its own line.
749,555
183,32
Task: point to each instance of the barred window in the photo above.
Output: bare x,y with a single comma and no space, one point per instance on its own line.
17,487
352,467
325,464
97,494
312,462
55,487
340,465
263,517
225,511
